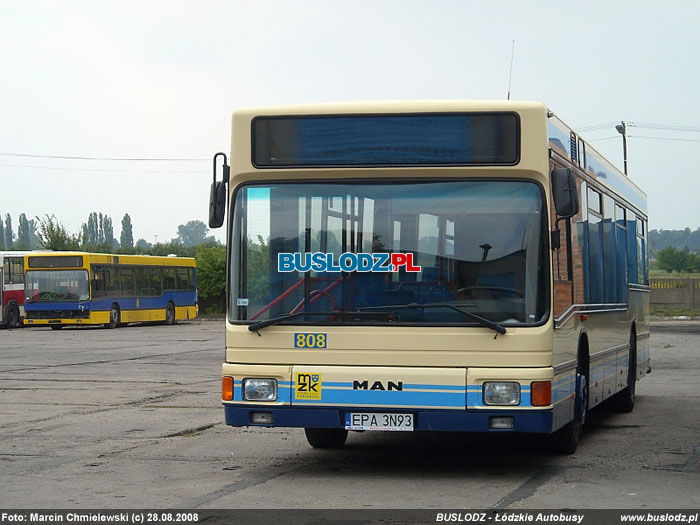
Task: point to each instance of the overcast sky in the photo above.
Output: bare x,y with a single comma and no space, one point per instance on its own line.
160,80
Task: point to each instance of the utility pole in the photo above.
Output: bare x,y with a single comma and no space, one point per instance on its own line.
622,130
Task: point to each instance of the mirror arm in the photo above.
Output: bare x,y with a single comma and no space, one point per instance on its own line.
555,238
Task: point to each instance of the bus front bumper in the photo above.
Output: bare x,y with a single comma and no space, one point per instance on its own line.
436,420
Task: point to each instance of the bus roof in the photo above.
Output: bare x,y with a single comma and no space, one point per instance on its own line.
106,258
392,106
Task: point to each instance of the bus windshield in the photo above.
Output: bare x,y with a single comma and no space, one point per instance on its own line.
387,253
56,285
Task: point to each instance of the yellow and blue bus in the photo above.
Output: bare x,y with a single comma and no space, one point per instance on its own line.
447,266
74,288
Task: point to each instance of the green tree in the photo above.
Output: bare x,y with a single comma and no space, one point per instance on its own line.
91,230
143,246
167,248
193,233
127,236
53,235
9,235
97,234
211,277
672,260
692,263
24,237
108,229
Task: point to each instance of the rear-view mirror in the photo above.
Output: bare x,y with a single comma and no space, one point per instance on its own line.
217,195
565,192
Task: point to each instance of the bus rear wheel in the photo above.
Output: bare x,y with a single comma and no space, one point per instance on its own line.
114,317
170,314
623,401
12,314
326,437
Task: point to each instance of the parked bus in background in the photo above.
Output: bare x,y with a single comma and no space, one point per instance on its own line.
12,288
74,288
444,266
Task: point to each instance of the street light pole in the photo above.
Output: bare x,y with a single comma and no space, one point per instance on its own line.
622,129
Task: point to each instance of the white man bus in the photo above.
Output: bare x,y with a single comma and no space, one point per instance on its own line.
446,266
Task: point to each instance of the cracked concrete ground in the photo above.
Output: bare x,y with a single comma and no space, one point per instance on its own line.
131,418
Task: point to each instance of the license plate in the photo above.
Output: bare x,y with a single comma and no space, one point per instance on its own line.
378,421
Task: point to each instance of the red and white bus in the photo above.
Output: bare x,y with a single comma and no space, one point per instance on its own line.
12,288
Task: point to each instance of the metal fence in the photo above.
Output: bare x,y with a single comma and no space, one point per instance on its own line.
675,292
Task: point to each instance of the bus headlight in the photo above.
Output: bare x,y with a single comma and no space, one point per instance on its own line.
502,393
260,389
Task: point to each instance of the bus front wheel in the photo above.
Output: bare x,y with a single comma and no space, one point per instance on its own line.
565,440
326,437
114,317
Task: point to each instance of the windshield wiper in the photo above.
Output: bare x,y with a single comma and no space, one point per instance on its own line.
258,325
499,328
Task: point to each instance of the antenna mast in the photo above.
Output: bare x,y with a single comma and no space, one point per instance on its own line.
510,75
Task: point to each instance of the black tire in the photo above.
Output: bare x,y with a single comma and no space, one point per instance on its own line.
170,314
56,326
326,437
623,401
12,315
114,317
565,440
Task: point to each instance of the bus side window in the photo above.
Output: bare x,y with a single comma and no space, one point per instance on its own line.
190,275
169,279
98,281
610,250
127,279
112,284
141,281
182,279
156,286
17,268
641,252
596,273
621,234
632,266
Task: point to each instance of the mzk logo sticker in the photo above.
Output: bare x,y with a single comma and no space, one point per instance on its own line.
307,386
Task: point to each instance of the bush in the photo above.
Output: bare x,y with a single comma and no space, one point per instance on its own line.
211,278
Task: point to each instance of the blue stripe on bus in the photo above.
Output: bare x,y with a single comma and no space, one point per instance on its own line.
184,298
349,385
344,394
381,397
